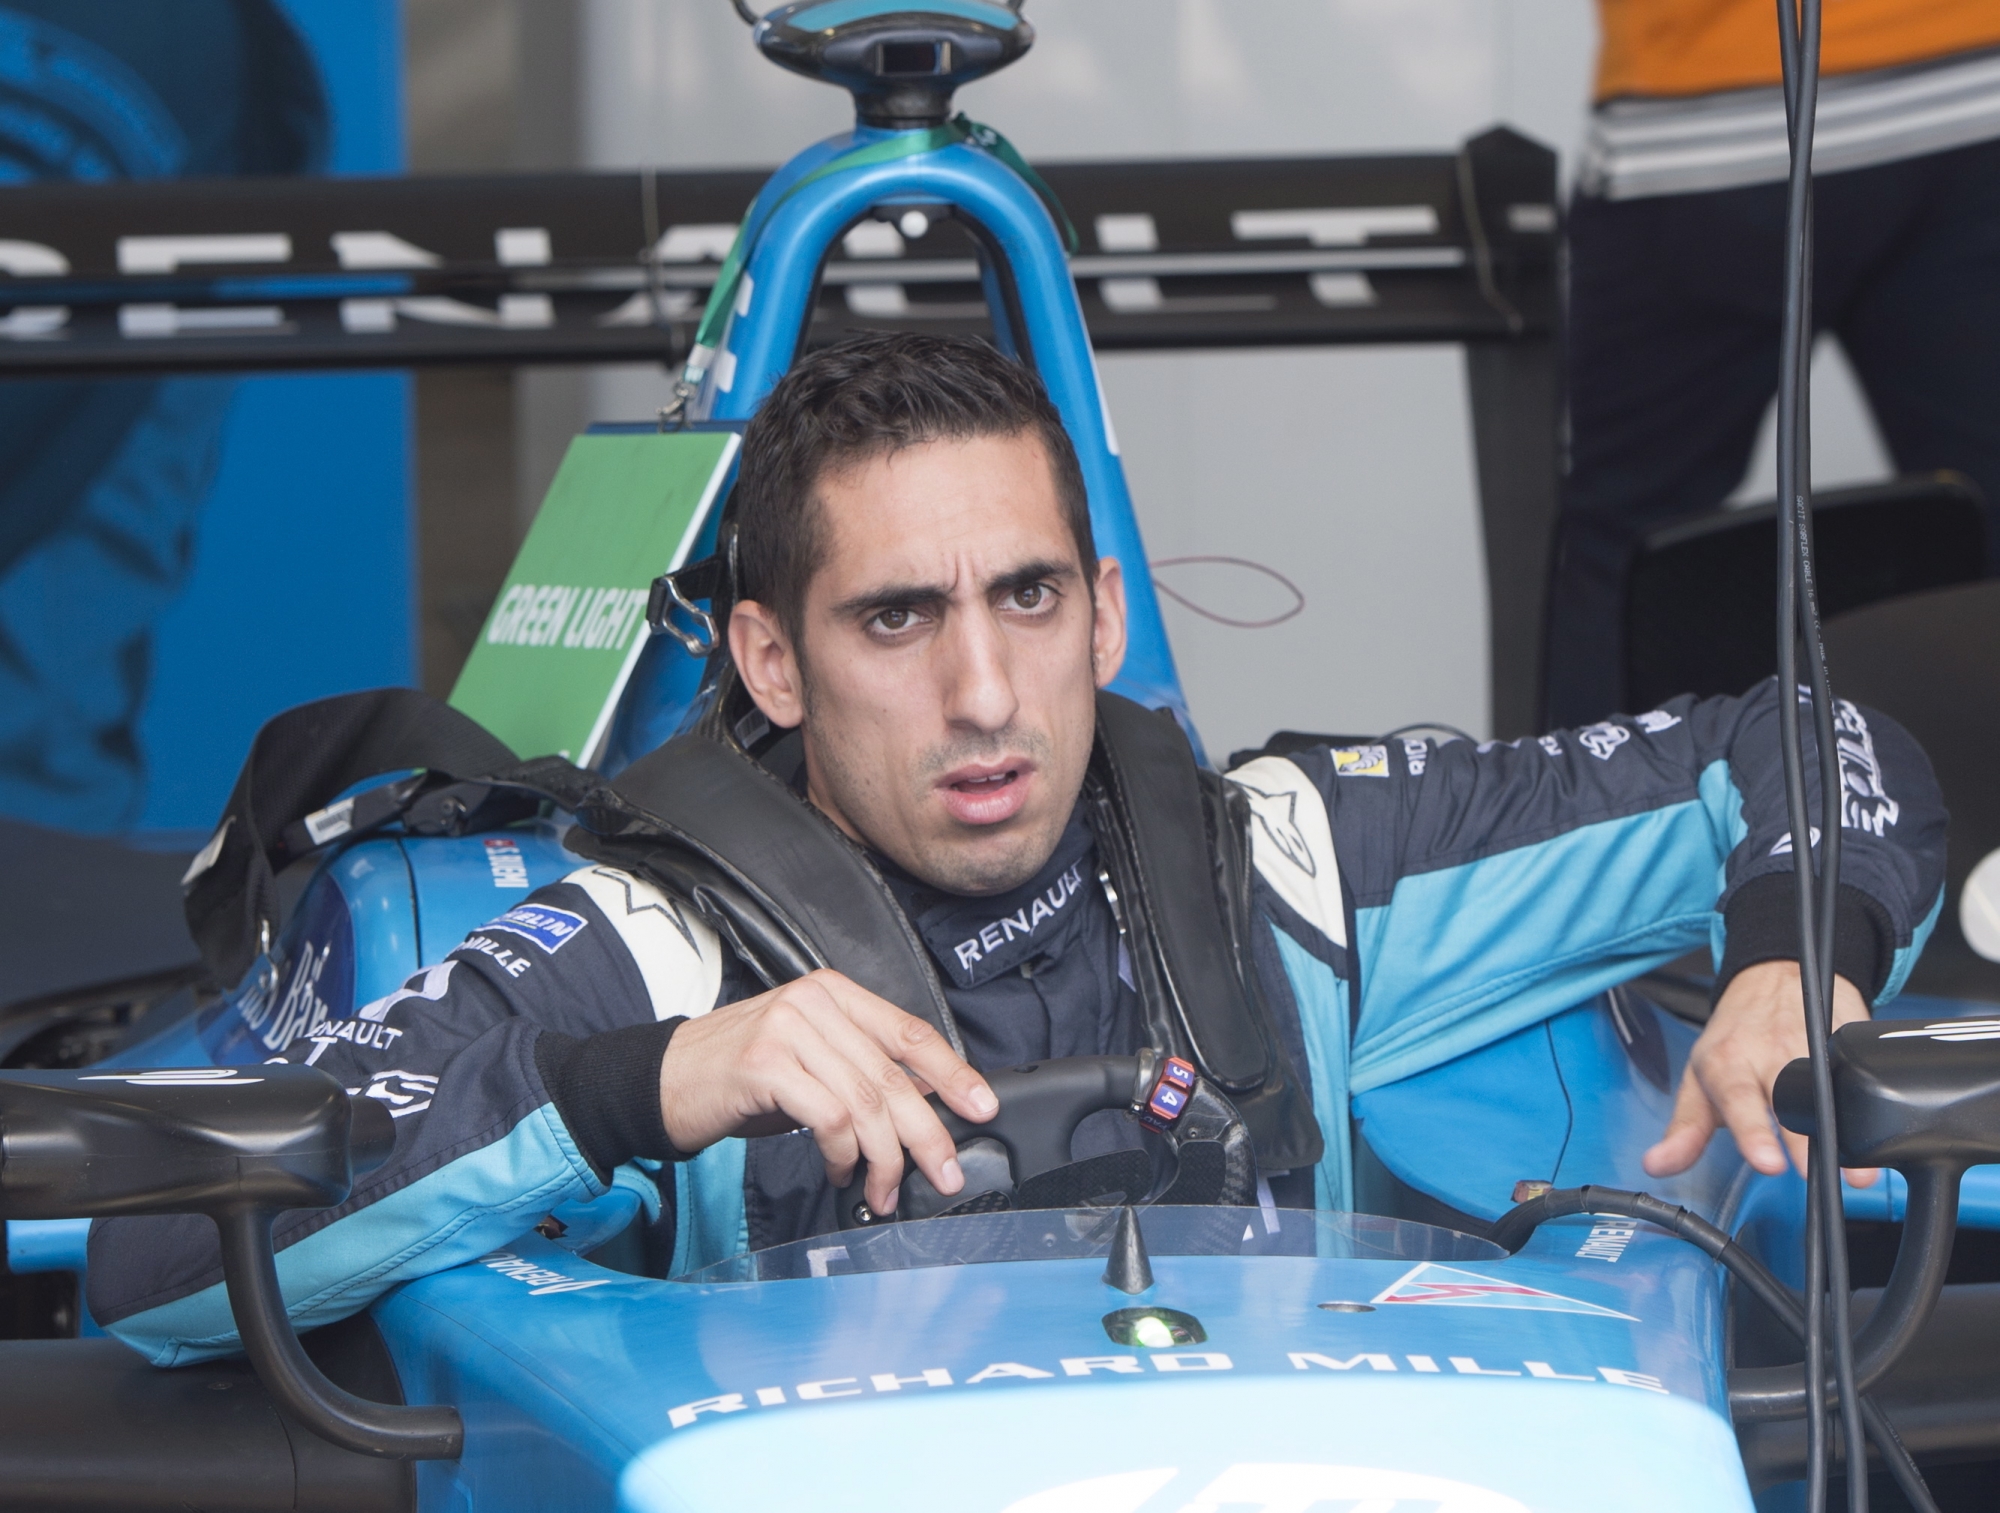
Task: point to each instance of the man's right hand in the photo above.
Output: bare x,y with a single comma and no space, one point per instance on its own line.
827,1054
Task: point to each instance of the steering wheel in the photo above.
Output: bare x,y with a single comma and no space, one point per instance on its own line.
1197,1149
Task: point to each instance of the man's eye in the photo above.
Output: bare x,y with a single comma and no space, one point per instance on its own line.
1034,596
893,619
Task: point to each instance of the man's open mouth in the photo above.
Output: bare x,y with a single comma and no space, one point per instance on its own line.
987,784
982,794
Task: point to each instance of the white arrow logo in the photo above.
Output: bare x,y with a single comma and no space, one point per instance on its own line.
1951,1030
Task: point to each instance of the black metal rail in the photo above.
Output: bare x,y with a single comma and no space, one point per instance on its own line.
268,274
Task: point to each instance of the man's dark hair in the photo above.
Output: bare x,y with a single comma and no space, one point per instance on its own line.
868,396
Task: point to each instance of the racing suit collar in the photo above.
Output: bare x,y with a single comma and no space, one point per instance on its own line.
975,940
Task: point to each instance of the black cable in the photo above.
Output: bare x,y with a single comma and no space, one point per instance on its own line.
1512,1230
1815,1258
1798,620
1818,1451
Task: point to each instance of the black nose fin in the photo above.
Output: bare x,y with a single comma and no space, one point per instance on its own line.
1128,1269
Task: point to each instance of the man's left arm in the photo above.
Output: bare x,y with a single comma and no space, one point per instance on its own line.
1892,883
1493,886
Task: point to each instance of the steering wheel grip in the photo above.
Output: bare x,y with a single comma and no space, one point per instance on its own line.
1041,1104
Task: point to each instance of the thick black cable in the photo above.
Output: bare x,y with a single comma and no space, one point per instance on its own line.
1818,1440
1513,1229
1797,621
1788,371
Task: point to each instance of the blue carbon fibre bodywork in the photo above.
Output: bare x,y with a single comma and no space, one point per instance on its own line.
46,1245
372,915
1579,1107
1259,1444
463,883
570,1377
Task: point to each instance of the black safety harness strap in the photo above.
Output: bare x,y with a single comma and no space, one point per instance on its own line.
1175,841
773,873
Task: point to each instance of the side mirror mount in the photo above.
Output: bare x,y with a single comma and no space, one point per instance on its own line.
1923,1100
1908,1094
240,1144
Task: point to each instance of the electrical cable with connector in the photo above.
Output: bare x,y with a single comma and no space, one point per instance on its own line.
1512,1230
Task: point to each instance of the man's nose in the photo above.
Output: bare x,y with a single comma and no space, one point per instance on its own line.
978,678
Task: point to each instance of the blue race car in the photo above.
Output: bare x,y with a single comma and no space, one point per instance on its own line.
1504,1326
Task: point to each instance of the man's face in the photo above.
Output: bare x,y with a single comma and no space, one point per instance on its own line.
952,649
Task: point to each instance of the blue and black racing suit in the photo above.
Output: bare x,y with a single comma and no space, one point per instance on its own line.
1412,902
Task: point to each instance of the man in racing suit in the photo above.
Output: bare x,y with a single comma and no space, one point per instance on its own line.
921,601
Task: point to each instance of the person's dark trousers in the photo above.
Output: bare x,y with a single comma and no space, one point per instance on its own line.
1673,335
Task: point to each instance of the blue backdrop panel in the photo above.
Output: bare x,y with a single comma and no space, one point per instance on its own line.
303,578
173,551
300,586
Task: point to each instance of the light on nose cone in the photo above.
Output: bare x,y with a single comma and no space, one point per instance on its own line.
1153,1333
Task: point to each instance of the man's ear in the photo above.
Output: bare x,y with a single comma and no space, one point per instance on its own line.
766,663
1107,633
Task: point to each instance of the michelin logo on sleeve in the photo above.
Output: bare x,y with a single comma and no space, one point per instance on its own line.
1360,761
550,929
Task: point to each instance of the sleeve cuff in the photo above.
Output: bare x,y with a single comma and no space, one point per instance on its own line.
606,1089
1761,923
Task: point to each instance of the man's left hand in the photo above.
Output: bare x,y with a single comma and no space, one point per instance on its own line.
1758,1027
